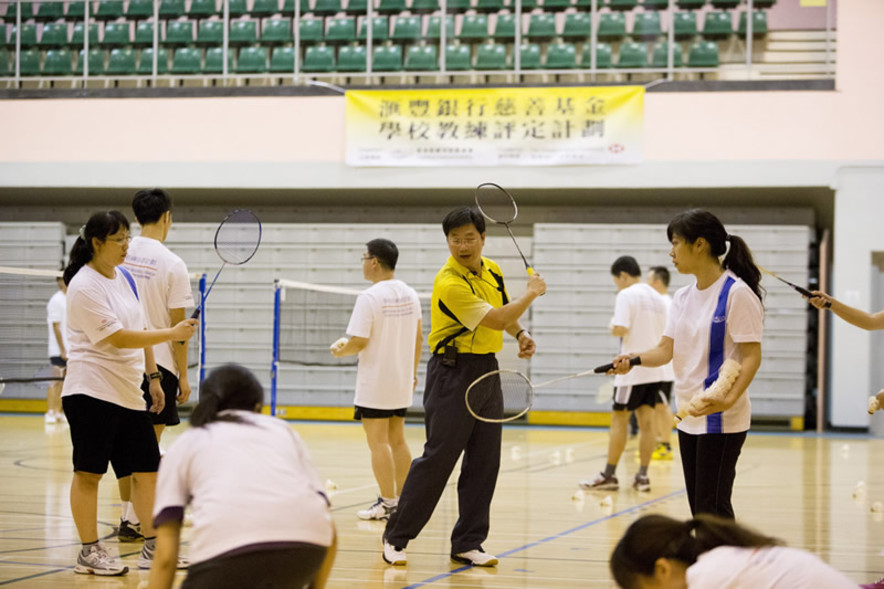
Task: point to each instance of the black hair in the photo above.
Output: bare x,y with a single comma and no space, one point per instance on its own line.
384,251
99,226
463,216
150,205
696,223
661,273
655,536
229,386
626,264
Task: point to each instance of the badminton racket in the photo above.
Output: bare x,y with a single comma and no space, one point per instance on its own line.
800,289
505,395
499,206
236,241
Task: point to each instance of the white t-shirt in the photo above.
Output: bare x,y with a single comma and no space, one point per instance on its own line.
55,313
387,314
668,372
776,567
247,483
163,284
690,319
97,307
641,310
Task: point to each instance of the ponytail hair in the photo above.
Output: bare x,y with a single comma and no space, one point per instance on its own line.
655,536
99,226
696,223
230,386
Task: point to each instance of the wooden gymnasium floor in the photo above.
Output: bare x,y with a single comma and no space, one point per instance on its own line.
797,487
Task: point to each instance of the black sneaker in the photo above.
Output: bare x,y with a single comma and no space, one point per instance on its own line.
129,532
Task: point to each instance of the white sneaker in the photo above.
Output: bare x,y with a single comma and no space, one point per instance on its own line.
394,555
50,418
96,561
145,559
379,510
600,483
476,557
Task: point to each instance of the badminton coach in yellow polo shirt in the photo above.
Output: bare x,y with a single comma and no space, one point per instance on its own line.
470,312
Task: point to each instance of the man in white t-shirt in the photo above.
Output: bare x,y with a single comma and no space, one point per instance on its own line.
385,330
639,319
658,279
58,351
164,289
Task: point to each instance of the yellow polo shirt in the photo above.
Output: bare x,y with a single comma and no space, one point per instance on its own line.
460,300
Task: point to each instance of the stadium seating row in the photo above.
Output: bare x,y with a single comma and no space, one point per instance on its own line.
408,29
353,59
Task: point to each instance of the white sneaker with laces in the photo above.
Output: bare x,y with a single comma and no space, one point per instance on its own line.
600,483
380,510
394,555
94,560
476,557
145,559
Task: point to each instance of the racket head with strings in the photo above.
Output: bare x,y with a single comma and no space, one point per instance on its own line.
496,204
499,396
238,237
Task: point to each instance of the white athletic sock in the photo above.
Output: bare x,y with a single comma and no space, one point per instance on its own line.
390,502
129,513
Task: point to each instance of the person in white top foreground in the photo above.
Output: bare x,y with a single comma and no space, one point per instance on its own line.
658,279
385,330
260,516
708,552
58,350
109,351
719,317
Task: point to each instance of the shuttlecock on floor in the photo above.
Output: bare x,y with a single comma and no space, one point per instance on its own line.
578,495
330,485
569,455
877,507
516,452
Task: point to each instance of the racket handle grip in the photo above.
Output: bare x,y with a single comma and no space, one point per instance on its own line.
604,368
196,313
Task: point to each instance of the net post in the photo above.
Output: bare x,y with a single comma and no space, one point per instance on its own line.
202,363
274,368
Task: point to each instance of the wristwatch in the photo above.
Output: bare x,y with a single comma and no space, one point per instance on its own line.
155,376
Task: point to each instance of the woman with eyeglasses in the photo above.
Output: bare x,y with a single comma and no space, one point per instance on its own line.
110,351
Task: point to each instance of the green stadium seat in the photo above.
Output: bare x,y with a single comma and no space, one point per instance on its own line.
310,31
179,32
759,24
685,25
505,27
75,10
97,59
252,60
187,60
690,4
656,4
243,32
54,35
6,68
434,27
49,11
623,5
327,7
172,9
391,7
144,34
458,6
660,55
407,29
424,6
555,5
356,7
612,26
352,58
138,10
29,62
457,58
561,56
265,8
529,56
58,62
121,62
422,58
724,4
237,9
200,9
145,65
288,7
632,55
718,25
541,27
527,5
215,61
319,60
703,54
646,26
603,56
380,31
341,31
77,35
28,35
474,28
282,60
387,58
210,32
109,10
27,12
491,56
116,34
277,31
578,26
490,6
762,4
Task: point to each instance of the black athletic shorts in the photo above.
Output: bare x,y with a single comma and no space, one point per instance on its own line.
286,567
666,391
631,397
169,414
58,361
369,413
102,432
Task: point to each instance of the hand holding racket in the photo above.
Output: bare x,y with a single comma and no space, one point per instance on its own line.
499,206
803,291
607,368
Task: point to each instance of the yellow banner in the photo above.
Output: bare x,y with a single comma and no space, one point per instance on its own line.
812,3
495,126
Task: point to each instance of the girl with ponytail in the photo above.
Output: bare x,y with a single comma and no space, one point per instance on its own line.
261,516
717,318
707,551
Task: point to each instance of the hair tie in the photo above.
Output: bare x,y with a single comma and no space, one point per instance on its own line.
82,232
727,237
